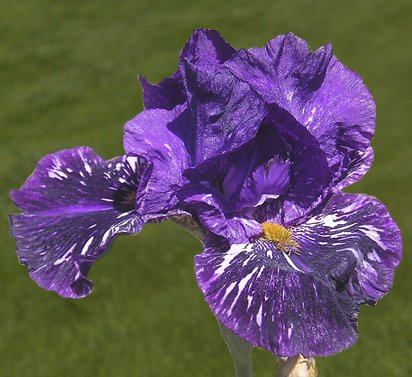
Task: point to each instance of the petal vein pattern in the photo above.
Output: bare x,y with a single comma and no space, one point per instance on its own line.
255,292
74,204
304,302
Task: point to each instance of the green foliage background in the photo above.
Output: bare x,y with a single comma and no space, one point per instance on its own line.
68,77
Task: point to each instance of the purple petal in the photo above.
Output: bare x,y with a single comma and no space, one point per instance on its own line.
261,296
310,171
305,301
231,227
72,179
284,159
251,170
268,181
159,135
285,71
167,94
271,211
226,113
357,166
209,213
75,203
341,114
354,237
206,49
59,250
320,92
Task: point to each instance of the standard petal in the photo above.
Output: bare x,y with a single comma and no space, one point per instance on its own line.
262,296
310,170
226,112
285,71
167,94
75,203
160,136
284,160
320,92
353,239
341,114
206,49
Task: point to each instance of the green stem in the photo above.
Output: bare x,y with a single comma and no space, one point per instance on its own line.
240,350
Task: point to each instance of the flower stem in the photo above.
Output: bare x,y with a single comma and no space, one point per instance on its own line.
240,350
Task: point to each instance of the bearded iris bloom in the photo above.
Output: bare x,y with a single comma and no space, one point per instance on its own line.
254,147
260,143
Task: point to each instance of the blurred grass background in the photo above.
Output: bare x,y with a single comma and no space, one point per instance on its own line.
68,77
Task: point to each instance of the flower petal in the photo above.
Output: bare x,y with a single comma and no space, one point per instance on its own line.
231,227
306,301
75,203
261,295
341,114
311,174
167,94
160,135
353,237
206,49
320,92
284,72
226,112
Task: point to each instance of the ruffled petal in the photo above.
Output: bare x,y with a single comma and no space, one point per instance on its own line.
75,203
268,181
341,114
353,239
310,170
226,113
321,93
206,49
167,94
160,136
304,299
285,71
232,228
258,293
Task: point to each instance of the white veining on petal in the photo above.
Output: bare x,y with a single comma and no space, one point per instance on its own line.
87,245
229,256
168,148
332,222
259,316
241,285
65,257
228,290
290,328
88,168
373,233
291,262
249,301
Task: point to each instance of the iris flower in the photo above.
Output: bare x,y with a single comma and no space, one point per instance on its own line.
252,147
257,144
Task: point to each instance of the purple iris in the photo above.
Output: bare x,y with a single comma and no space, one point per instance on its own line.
256,144
253,147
